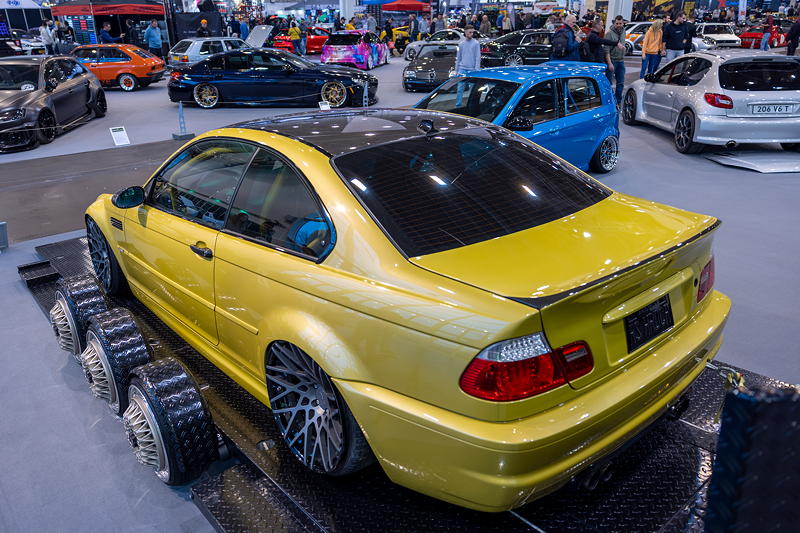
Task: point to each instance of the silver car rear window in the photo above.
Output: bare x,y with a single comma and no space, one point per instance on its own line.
181,47
760,75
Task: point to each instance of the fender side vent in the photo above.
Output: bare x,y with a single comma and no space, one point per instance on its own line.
116,223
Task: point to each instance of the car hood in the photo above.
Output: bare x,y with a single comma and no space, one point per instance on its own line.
425,64
14,98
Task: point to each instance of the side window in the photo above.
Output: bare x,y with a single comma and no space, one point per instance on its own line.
440,36
216,64
580,94
211,47
70,68
541,38
453,36
86,53
696,71
527,39
262,61
539,104
672,73
53,70
237,62
199,183
275,206
232,45
319,32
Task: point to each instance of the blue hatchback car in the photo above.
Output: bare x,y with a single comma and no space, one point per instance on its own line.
566,107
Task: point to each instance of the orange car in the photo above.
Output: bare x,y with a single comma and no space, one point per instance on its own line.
123,65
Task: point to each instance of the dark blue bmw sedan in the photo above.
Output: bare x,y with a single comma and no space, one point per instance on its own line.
268,76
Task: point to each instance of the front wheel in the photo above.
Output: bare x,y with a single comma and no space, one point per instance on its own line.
46,127
313,418
629,108
104,262
334,93
370,62
206,96
684,134
411,53
128,82
606,156
100,106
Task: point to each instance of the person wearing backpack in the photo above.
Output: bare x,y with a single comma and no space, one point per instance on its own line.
565,45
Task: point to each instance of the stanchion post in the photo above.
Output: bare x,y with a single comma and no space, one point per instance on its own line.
366,94
3,236
182,135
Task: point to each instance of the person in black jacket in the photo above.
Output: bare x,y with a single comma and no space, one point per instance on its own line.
597,52
792,37
132,35
691,32
675,35
203,30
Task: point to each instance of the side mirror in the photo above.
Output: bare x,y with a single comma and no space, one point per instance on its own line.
50,84
649,78
127,198
519,123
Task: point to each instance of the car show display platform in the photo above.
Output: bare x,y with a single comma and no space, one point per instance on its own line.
658,482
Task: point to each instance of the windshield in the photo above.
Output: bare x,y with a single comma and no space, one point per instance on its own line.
710,29
19,77
453,189
770,75
473,97
438,51
343,39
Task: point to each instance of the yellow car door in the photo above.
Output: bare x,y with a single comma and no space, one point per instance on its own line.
170,240
276,226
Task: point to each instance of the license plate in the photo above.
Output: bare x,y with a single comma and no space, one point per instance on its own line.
772,109
176,58
648,323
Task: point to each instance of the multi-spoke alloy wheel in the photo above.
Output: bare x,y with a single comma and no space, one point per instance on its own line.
128,82
334,93
306,408
64,326
206,96
684,134
46,127
609,153
514,60
629,108
144,435
98,374
99,253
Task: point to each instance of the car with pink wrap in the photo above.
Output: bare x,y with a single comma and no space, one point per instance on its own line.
358,48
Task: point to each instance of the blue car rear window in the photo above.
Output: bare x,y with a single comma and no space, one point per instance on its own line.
451,189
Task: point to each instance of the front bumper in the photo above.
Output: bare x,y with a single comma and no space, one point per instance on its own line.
17,136
416,84
179,92
357,93
495,466
719,129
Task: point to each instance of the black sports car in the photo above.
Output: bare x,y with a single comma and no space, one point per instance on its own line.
433,65
41,97
269,76
524,47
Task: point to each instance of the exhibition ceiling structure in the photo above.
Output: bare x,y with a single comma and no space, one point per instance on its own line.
407,266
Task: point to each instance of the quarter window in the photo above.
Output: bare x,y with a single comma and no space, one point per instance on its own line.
275,206
199,183
539,103
580,94
113,54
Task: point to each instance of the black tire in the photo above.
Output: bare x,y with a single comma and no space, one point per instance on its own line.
164,400
46,127
128,82
791,147
606,156
684,134
629,108
104,262
206,101
100,105
77,299
297,385
114,347
628,49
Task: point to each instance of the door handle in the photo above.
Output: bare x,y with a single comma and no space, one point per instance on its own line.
202,251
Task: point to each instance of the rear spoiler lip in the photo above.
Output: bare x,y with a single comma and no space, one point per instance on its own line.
544,301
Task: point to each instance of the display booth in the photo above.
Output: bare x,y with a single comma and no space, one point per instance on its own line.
87,16
25,14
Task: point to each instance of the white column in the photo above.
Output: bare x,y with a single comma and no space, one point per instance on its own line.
618,7
346,8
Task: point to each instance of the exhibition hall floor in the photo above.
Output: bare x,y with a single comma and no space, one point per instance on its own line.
66,463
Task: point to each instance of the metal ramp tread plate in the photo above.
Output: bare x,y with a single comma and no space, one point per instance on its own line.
38,273
653,487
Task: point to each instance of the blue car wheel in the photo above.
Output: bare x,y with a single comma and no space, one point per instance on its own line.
606,156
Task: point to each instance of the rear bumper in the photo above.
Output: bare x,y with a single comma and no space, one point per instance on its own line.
493,466
716,129
153,77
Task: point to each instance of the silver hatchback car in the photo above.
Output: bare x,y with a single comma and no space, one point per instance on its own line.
721,97
192,50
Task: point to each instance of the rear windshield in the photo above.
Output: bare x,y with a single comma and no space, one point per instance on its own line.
340,39
438,51
181,47
760,76
473,97
452,189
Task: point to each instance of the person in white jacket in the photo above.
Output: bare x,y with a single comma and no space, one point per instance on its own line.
47,37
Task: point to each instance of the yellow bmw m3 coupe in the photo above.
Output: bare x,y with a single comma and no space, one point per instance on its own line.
423,289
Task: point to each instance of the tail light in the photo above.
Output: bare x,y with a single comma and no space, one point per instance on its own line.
184,59
524,367
484,49
706,280
719,100
175,75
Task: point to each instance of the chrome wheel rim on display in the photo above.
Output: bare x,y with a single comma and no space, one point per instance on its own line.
206,95
334,93
64,326
514,60
144,435
683,131
98,251
609,153
97,372
630,106
306,408
127,82
47,123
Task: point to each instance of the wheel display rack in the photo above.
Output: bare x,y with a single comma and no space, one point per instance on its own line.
656,483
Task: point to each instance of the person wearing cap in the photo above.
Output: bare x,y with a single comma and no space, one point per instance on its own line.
203,30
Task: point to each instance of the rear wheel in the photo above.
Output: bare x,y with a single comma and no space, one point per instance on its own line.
629,108
313,419
127,82
206,96
606,156
334,93
628,49
514,60
684,134
46,127
791,147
